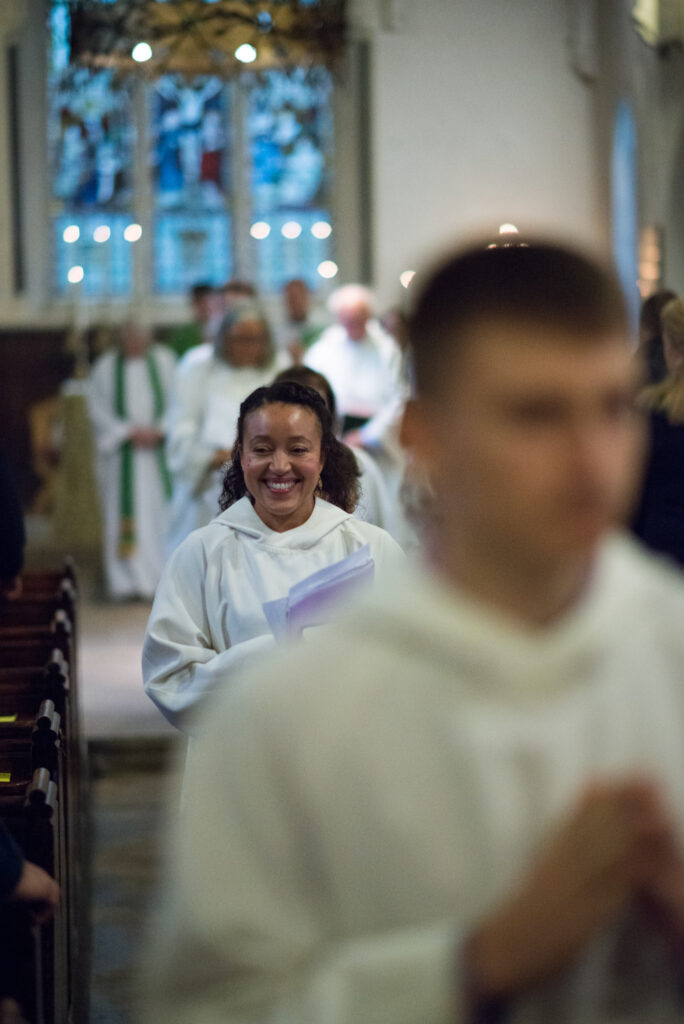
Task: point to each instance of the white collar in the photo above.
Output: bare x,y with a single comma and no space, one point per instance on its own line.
243,518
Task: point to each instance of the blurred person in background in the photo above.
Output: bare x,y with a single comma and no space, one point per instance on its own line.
367,372
236,290
127,398
208,388
650,351
363,364
207,306
301,325
659,517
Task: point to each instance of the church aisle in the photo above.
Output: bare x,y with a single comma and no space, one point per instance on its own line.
130,745
129,787
113,703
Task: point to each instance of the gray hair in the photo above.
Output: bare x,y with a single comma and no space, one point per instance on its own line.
239,312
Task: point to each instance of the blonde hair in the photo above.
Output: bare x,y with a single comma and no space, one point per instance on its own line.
667,396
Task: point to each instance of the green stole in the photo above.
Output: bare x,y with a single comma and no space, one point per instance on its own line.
127,537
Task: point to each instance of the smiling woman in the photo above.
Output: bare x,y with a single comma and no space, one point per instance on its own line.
285,438
282,463
287,501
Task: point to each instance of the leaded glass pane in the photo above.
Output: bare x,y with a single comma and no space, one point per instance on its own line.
290,138
191,247
107,263
91,140
190,153
277,179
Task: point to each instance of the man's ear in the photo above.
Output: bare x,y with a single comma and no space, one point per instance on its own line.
415,435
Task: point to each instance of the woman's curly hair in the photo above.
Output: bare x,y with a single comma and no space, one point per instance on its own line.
340,474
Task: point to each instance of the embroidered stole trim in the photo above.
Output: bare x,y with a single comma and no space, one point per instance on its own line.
127,536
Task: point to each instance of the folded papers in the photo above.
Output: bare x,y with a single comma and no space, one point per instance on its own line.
310,602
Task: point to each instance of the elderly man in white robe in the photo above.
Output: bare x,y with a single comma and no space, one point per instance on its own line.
365,368
127,399
465,802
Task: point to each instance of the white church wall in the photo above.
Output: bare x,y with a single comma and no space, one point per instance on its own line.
477,118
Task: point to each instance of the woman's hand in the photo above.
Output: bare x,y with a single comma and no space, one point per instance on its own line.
146,437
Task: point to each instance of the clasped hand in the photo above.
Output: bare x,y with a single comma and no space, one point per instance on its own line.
617,846
146,437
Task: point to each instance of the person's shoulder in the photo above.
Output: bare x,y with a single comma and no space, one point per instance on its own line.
104,360
196,360
200,544
330,338
161,350
382,339
380,540
651,582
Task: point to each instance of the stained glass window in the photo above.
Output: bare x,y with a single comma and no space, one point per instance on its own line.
91,147
243,194
290,131
192,164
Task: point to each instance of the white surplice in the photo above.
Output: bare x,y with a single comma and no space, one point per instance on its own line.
366,376
358,804
208,618
138,574
369,379
203,414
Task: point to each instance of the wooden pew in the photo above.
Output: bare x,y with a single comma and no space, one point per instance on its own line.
42,797
37,608
30,807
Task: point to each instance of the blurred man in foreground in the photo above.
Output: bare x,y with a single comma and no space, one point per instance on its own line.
464,803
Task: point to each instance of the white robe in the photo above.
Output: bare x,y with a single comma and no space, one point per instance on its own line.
138,574
366,376
208,618
359,804
374,504
369,379
203,415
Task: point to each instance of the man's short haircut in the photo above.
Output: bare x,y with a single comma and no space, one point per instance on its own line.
539,284
200,290
237,287
651,312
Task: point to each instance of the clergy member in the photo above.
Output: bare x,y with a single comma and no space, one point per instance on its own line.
363,364
128,395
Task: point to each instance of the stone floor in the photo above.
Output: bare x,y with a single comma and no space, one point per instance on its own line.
112,700
131,748
130,790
